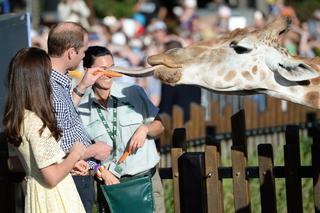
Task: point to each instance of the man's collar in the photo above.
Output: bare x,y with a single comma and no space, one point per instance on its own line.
115,91
63,79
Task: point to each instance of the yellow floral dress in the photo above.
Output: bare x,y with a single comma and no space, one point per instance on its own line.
36,152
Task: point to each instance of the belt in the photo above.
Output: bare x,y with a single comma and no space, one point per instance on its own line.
149,172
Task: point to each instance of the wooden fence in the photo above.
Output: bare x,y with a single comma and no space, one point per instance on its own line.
198,176
207,173
273,115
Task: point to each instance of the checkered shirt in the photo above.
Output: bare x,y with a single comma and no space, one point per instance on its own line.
67,114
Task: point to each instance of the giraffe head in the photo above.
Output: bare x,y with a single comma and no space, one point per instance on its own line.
243,62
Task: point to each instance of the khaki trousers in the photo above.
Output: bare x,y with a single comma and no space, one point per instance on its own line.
158,193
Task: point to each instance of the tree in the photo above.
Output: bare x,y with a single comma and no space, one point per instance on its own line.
117,8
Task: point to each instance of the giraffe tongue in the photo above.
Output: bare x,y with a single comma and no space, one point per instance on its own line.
134,72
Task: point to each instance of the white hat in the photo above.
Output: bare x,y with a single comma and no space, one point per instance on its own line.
136,43
190,3
110,21
224,11
119,39
129,27
158,25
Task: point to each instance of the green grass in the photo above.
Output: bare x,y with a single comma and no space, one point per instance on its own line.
168,196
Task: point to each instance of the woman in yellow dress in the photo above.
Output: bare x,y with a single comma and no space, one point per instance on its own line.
31,129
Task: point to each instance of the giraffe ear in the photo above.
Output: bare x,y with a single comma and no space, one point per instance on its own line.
296,71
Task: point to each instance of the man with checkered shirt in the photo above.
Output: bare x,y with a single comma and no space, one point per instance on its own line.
67,43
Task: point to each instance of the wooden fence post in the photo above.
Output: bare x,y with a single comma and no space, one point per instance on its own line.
215,115
315,148
239,163
178,147
177,117
213,183
267,182
292,165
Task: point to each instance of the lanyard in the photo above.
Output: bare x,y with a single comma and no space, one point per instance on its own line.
113,133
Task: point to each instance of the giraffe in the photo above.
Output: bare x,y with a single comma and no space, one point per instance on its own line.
243,62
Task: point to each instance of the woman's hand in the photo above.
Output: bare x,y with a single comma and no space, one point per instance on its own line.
80,168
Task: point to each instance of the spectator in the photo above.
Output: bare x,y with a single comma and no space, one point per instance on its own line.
189,13
151,85
147,8
123,55
224,14
74,11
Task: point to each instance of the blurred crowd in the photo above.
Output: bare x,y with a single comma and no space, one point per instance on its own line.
153,29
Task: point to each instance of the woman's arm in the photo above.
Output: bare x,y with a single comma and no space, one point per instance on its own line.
54,173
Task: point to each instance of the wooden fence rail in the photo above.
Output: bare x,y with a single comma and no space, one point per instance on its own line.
275,114
207,165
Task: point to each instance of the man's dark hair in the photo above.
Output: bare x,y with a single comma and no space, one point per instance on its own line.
92,53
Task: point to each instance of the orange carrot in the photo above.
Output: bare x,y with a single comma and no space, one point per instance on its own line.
109,73
123,157
75,73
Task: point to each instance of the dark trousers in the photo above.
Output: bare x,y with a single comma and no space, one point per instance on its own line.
85,187
102,202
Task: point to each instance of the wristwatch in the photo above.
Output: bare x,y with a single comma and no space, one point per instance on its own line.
75,90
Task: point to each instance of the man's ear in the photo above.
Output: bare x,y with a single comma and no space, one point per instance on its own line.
69,55
296,70
70,52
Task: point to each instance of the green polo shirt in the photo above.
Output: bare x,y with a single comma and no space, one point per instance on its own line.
134,109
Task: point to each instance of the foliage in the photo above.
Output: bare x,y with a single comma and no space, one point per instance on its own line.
305,8
117,8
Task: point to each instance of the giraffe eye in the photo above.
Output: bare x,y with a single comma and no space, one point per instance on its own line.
238,48
241,49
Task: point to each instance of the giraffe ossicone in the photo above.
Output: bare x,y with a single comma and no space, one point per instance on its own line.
244,62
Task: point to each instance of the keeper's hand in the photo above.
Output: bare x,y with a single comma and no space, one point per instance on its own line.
109,178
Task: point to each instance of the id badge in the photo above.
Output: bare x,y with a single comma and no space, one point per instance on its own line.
115,169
